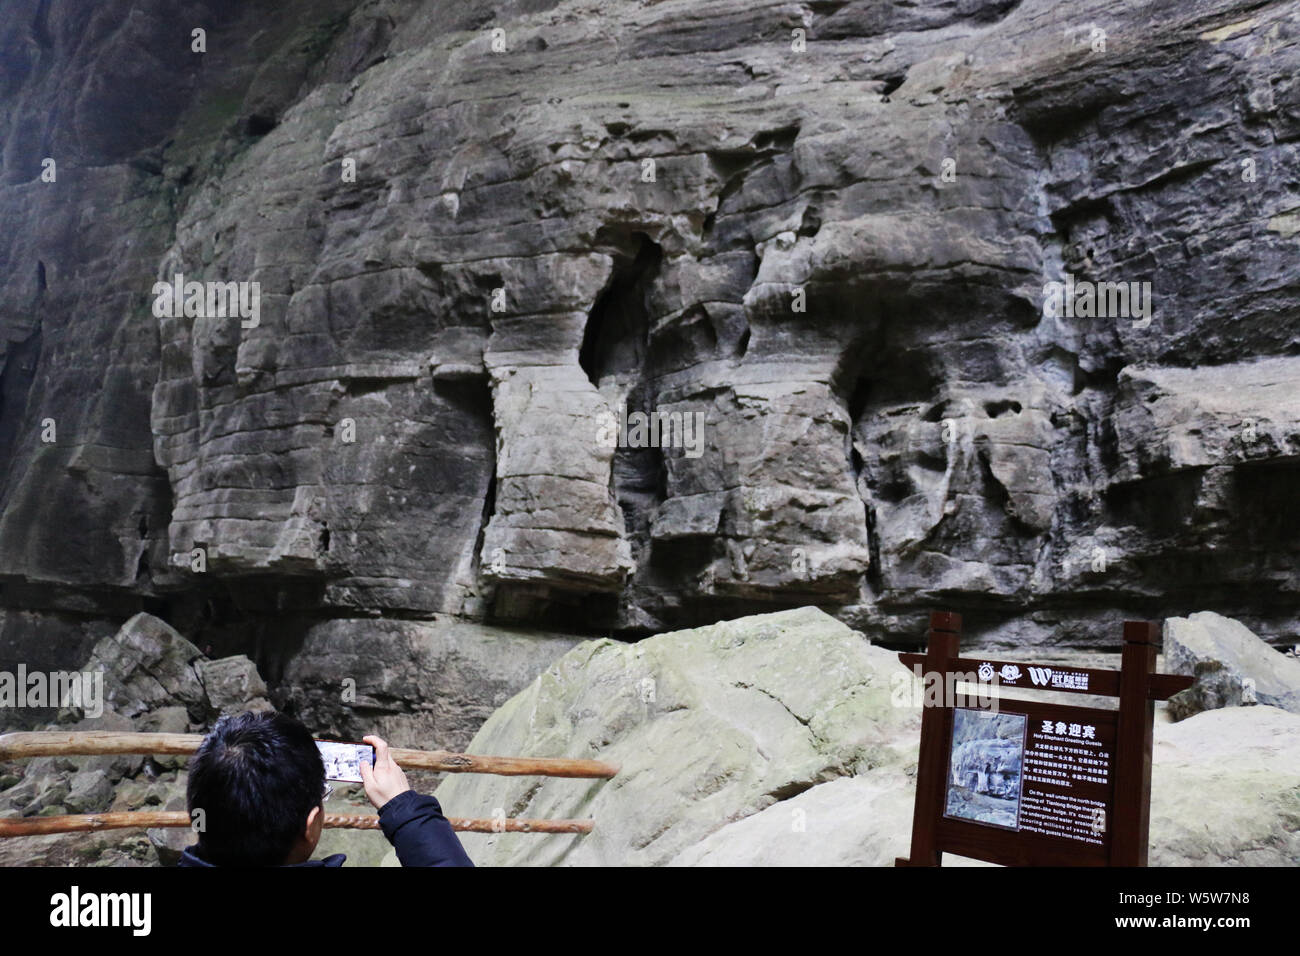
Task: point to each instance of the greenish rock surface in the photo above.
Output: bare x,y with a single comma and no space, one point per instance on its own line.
1225,789
709,725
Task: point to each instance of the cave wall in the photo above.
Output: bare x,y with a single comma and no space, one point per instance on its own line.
833,257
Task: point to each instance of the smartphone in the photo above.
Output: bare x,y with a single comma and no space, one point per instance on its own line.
343,759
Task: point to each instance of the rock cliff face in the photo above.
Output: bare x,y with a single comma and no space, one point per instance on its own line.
818,239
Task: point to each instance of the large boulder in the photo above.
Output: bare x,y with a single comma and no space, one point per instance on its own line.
1231,664
233,685
149,667
709,726
148,664
1225,789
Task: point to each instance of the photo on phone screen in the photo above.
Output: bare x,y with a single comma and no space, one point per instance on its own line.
343,760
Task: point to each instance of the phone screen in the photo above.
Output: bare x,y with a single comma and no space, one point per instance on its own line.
343,760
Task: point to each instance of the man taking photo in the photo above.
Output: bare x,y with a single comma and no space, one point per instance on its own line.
260,784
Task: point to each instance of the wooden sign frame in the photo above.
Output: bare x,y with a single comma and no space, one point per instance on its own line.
1080,761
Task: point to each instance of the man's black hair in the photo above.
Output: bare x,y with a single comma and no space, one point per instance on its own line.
255,777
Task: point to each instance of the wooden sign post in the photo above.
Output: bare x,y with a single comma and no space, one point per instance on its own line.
1024,783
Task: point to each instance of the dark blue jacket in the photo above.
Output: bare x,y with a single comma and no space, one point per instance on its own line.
413,823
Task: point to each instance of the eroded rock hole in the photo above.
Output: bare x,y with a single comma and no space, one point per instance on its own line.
615,340
890,82
998,409
258,125
742,344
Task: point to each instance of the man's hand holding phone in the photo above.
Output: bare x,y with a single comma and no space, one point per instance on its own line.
386,779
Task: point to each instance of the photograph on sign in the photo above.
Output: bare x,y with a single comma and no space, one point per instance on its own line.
985,767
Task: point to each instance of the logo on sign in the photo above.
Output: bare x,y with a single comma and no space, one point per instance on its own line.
1040,675
986,671
1010,672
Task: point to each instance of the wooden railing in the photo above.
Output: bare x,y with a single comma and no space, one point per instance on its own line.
98,743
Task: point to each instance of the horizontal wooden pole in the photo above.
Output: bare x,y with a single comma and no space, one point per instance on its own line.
142,819
448,762
56,743
96,742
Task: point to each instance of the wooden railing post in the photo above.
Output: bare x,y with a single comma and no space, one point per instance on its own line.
1137,709
942,645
